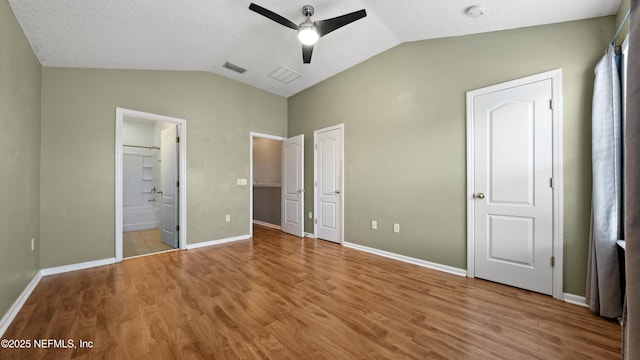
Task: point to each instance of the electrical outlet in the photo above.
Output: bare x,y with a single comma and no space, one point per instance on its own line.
374,224
310,215
396,228
33,244
227,218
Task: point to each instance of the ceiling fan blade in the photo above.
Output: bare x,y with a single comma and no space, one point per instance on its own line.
273,16
307,50
328,25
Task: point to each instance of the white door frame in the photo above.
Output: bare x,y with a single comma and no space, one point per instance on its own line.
315,180
556,83
253,135
182,176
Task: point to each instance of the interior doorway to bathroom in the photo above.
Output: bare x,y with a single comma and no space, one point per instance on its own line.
149,192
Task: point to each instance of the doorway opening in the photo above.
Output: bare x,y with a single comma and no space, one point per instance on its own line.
150,179
265,181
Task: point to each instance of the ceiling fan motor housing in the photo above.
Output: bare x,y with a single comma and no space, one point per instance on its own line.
309,31
307,10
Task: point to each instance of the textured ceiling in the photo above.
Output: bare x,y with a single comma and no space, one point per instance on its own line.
201,35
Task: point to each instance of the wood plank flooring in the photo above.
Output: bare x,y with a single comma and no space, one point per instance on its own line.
281,297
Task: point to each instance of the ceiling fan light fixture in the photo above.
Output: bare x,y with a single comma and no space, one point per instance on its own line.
308,33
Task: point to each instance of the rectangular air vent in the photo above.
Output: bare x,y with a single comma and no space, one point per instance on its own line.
284,74
236,68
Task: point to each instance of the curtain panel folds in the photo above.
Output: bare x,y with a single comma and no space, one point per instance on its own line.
603,273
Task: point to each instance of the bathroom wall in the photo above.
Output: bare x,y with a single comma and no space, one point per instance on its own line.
140,175
139,164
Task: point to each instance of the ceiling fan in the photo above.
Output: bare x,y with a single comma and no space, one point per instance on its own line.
310,31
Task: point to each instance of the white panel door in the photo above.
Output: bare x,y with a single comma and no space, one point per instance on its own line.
329,184
512,190
169,179
293,185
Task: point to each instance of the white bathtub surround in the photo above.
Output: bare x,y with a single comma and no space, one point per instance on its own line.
140,217
140,211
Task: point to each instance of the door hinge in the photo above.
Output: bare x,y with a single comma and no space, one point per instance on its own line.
316,146
315,221
315,183
177,227
177,139
551,182
553,261
551,104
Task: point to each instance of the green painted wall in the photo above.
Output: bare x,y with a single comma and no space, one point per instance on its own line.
20,75
405,137
78,139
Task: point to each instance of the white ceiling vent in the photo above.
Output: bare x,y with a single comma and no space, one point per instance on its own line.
284,74
236,68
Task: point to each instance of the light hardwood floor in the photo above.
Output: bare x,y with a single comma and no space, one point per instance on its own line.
281,297
142,242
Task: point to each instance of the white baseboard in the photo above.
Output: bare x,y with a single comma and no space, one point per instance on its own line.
574,299
8,317
258,222
408,259
79,266
310,235
217,242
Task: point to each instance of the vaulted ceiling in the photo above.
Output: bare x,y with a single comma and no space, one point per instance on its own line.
201,35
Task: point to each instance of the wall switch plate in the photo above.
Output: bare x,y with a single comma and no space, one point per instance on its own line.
239,181
243,182
310,215
33,244
396,228
227,218
374,224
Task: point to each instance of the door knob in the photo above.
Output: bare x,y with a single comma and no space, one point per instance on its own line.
300,191
337,191
479,196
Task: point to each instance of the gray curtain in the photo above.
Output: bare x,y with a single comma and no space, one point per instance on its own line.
603,274
631,319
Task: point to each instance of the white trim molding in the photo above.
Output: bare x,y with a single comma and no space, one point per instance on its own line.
407,259
217,242
556,87
266,224
8,317
575,299
75,267
182,174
